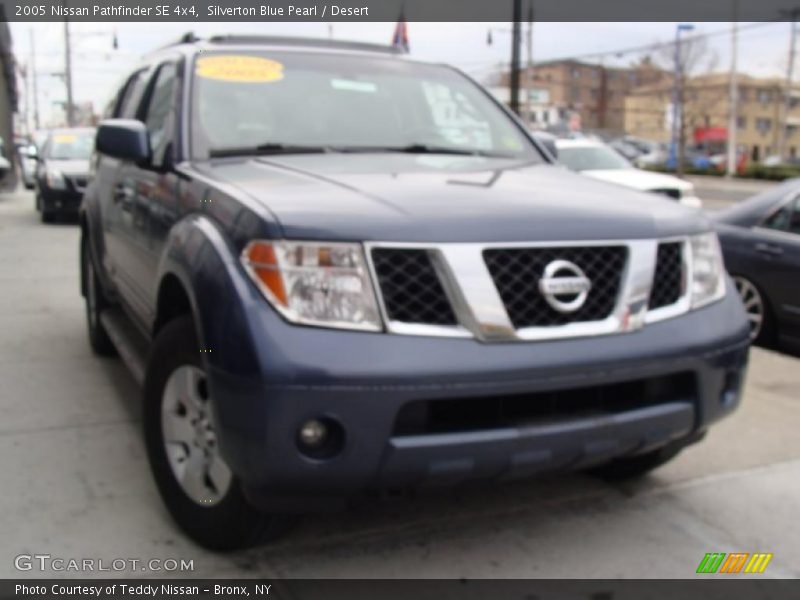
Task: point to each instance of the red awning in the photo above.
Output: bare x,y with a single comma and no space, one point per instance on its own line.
710,134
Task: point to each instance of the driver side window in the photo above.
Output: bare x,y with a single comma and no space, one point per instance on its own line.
159,112
794,221
779,220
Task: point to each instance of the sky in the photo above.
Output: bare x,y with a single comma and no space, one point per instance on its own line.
98,68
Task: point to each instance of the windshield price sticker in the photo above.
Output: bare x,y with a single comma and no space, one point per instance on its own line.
239,69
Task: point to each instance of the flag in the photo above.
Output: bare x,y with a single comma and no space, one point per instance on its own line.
400,38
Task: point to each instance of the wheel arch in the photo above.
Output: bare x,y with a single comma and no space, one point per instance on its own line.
199,275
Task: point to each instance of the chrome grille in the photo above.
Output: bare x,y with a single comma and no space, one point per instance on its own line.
516,273
668,279
491,292
412,292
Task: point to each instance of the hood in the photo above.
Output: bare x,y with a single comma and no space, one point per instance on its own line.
70,167
639,179
427,198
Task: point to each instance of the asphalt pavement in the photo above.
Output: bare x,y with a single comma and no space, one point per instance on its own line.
75,481
718,192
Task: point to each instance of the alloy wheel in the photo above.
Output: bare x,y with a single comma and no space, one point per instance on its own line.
753,305
190,439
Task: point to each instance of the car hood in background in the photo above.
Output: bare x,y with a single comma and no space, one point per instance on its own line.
640,179
425,198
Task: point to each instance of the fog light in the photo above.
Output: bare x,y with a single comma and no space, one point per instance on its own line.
320,438
313,433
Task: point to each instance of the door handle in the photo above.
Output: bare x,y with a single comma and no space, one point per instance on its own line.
123,195
770,249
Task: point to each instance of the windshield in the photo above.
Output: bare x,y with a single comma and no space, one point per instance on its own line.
71,145
586,158
293,101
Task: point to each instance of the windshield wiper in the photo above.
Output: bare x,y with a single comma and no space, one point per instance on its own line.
266,149
419,148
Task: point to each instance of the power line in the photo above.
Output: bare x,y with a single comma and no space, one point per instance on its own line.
627,50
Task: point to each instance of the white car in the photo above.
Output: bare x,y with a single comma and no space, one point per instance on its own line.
600,161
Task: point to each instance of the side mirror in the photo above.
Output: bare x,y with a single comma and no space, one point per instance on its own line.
126,139
31,152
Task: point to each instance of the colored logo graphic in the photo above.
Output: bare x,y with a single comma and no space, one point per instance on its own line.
735,562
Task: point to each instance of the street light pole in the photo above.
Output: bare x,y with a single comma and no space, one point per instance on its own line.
677,100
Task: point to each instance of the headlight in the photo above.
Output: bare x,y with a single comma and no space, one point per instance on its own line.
315,283
55,180
708,270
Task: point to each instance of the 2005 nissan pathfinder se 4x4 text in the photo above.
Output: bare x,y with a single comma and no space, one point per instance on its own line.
337,271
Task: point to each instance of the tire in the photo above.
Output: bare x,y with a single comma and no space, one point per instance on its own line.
211,508
759,312
634,467
45,215
96,303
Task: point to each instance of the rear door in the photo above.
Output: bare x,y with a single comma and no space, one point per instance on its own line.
115,195
777,245
153,186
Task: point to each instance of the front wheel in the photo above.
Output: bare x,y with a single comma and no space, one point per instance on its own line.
41,206
201,493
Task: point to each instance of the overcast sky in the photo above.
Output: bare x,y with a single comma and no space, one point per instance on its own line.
763,48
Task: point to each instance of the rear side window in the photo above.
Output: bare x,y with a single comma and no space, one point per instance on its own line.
158,115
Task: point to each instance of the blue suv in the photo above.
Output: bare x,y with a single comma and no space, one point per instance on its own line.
336,270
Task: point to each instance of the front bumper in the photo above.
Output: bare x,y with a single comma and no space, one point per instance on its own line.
363,381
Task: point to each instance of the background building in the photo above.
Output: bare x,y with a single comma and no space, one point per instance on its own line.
648,113
577,95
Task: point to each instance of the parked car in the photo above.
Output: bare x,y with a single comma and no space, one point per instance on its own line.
761,243
5,164
62,171
337,270
28,157
597,160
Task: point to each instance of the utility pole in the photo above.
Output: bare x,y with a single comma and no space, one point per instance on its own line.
733,99
33,76
515,56
529,63
787,103
68,74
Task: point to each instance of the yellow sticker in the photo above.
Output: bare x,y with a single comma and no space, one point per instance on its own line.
240,69
512,143
64,138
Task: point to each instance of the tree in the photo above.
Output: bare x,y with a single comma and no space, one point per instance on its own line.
692,105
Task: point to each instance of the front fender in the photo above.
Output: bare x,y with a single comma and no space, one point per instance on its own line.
222,299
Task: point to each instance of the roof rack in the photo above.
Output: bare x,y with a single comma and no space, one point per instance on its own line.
302,41
187,38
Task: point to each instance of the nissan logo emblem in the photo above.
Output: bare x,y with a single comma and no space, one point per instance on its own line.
564,286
